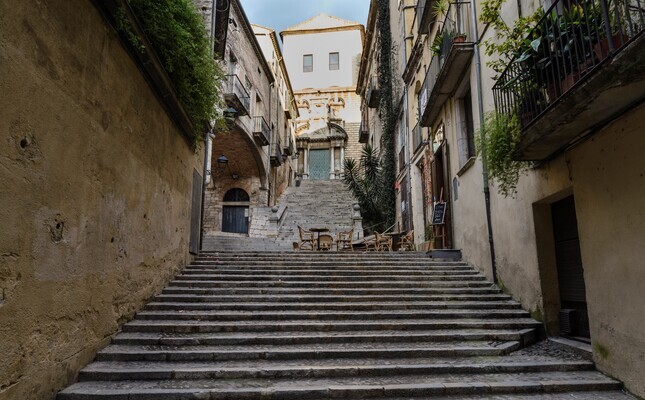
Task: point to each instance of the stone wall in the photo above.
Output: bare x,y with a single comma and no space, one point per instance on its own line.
95,182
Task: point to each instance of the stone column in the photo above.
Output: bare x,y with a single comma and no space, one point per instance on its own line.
332,168
305,168
342,161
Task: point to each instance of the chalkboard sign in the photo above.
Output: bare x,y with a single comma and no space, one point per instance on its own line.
439,213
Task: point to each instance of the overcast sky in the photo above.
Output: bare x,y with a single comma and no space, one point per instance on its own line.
281,14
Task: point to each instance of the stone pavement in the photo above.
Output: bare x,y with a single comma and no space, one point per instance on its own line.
334,326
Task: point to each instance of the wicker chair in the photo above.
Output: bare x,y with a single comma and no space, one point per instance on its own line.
344,240
307,240
326,242
383,242
406,243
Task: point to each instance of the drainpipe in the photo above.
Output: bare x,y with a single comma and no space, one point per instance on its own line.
480,104
271,86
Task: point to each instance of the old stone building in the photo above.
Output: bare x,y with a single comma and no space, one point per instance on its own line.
322,56
567,243
249,165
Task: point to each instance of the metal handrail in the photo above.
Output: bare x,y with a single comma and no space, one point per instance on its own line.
566,45
260,126
234,86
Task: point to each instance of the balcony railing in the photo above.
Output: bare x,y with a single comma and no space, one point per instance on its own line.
565,48
261,131
452,47
417,137
373,93
421,6
276,153
566,45
364,132
402,162
236,95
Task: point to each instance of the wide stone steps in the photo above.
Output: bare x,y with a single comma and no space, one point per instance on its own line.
111,370
421,385
253,325
295,338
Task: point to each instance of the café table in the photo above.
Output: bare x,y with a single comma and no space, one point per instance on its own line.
318,231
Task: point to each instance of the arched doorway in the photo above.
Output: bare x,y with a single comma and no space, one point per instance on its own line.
235,214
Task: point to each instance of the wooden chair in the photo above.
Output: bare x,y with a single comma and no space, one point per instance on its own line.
344,240
307,239
370,243
406,243
383,242
326,242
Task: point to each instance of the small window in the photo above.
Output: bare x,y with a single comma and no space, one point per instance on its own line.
308,63
334,61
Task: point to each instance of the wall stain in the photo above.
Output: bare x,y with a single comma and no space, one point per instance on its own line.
42,53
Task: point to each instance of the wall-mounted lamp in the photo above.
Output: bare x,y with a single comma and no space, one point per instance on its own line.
223,167
230,114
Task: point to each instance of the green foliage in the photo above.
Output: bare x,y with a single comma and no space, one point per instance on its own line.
386,110
497,140
509,41
365,180
178,35
429,233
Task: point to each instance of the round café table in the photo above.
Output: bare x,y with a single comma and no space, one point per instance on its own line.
318,231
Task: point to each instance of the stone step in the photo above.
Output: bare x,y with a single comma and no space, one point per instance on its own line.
335,315
294,338
193,326
213,276
115,370
200,269
165,303
292,352
227,290
343,388
329,263
206,295
197,282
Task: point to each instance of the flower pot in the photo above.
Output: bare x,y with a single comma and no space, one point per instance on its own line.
459,39
601,49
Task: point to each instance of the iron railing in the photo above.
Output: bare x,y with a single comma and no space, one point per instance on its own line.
233,85
364,132
421,6
417,137
276,153
402,162
566,45
373,93
261,130
456,30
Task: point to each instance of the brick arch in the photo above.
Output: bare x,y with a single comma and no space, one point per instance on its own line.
245,158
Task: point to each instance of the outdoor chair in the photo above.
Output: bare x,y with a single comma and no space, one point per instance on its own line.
344,240
307,239
370,243
326,242
406,242
383,242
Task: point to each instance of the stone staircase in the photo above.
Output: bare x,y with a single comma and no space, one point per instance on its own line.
316,203
304,325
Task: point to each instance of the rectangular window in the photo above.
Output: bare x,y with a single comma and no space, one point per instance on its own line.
334,61
308,63
470,126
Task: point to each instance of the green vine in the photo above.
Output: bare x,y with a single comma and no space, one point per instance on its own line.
177,33
386,109
497,140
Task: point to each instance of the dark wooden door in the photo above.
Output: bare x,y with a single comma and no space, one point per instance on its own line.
235,219
571,279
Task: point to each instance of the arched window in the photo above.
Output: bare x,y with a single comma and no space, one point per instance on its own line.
236,195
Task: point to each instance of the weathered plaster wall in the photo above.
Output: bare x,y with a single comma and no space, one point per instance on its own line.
608,175
95,192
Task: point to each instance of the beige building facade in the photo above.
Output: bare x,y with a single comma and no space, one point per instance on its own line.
322,56
567,245
250,164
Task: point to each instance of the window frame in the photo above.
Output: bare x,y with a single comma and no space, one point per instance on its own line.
337,64
304,65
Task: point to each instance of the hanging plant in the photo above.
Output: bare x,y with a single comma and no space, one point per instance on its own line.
497,140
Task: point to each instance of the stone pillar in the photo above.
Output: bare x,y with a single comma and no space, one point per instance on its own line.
332,167
305,168
358,222
342,162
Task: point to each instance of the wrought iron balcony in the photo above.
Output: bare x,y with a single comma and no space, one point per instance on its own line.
424,15
402,162
289,148
453,48
582,67
373,93
261,131
417,137
236,95
276,153
364,132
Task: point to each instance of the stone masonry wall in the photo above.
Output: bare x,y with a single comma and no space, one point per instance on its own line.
95,189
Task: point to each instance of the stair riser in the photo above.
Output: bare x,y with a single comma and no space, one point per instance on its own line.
304,373
297,355
322,327
296,340
184,282
166,305
186,287
192,269
331,279
186,295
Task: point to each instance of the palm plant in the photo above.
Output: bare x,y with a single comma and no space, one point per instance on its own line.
365,179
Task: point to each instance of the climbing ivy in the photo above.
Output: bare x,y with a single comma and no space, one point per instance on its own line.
386,109
176,31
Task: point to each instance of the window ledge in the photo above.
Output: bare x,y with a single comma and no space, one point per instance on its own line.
466,166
